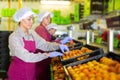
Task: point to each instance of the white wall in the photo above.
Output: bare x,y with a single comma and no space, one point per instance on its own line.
65,10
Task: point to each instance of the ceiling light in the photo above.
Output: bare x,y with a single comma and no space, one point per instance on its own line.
55,2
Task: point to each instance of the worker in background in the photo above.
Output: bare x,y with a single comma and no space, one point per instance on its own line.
44,19
52,28
105,35
23,43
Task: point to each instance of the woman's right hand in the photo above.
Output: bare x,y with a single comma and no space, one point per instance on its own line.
55,54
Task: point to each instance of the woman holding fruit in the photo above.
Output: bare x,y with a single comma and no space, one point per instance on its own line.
23,43
44,19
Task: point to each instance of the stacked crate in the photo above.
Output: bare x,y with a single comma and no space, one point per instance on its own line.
76,14
4,53
100,7
8,12
111,6
57,16
86,8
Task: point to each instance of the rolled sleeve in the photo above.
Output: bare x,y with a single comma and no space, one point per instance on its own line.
44,45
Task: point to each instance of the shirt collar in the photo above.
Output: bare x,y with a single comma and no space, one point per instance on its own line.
42,25
22,33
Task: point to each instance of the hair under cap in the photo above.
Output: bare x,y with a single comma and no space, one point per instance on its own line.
43,15
52,26
23,13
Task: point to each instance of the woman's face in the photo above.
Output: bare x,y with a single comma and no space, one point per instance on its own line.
27,22
52,31
46,20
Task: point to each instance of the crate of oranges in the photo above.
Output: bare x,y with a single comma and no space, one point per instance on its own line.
80,54
105,68
57,70
74,44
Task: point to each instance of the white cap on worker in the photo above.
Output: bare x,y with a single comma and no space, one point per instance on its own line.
43,15
52,25
23,13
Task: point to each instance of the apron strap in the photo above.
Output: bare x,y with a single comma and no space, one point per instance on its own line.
31,36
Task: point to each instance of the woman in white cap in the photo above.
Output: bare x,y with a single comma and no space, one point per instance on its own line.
52,28
23,43
45,19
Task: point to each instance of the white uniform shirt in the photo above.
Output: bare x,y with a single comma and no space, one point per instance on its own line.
16,46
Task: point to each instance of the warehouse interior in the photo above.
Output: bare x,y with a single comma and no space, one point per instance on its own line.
90,22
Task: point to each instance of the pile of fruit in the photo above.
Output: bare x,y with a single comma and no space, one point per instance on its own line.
77,52
57,67
106,69
70,44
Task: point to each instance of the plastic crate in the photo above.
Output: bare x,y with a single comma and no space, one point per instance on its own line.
3,44
4,58
51,72
77,44
3,39
115,43
5,34
4,66
111,55
98,40
4,50
96,52
113,22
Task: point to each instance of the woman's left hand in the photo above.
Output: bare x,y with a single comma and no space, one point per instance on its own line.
65,40
64,48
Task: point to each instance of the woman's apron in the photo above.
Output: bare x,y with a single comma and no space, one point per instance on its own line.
43,68
20,70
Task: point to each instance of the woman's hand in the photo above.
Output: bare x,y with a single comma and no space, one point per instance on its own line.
64,48
55,54
65,40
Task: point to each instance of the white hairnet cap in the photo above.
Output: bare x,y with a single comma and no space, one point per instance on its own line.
43,15
52,25
23,13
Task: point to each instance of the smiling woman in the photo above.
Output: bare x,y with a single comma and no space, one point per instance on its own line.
23,44
27,23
